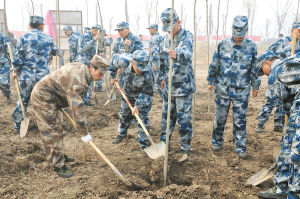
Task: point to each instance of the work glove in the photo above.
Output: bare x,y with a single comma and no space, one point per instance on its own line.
86,138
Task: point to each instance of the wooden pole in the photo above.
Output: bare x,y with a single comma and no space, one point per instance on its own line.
169,99
32,7
297,10
207,31
218,23
194,63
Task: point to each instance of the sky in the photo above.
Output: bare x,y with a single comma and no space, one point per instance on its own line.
18,12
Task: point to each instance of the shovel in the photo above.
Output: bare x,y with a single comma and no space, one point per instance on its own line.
25,121
154,150
115,170
265,174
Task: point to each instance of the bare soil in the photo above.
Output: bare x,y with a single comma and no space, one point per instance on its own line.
207,174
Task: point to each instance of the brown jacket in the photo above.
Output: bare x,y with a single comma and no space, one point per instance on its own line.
64,88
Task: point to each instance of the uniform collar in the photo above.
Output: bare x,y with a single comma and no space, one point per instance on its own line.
242,43
36,30
179,34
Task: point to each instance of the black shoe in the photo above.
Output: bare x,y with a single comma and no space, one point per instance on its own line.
216,147
17,127
278,129
243,155
63,171
9,100
271,193
88,103
119,139
184,151
68,159
259,129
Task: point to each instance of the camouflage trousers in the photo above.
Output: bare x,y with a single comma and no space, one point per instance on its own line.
49,122
240,108
26,87
266,110
126,118
287,175
181,109
157,82
294,181
5,89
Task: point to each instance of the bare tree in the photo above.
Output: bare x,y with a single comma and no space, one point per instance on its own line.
267,33
156,15
250,6
100,13
183,16
110,22
126,11
297,10
149,8
281,14
225,19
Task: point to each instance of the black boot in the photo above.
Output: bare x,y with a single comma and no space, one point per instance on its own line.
63,171
271,193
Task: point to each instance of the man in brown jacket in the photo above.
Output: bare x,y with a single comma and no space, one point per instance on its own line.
60,89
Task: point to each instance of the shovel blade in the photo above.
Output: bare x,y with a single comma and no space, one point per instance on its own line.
24,126
155,150
262,175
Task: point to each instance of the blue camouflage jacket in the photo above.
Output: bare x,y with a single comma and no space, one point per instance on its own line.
288,49
5,60
183,82
32,55
278,47
233,69
155,49
119,45
74,44
285,80
136,86
88,47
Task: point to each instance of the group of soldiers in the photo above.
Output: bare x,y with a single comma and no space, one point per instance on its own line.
233,72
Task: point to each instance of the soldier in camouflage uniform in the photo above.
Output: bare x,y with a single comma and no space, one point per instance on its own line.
63,88
284,80
138,87
86,29
231,74
155,48
281,49
4,68
31,63
126,38
104,42
74,43
183,83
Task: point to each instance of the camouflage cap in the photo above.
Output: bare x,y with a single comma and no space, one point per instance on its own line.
154,26
296,25
97,26
121,60
166,19
140,58
239,26
67,27
86,29
36,20
122,25
267,55
99,62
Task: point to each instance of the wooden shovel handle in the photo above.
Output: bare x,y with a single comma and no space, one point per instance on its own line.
16,80
136,115
69,118
115,170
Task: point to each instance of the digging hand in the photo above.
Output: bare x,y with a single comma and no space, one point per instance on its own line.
14,75
211,87
163,84
135,110
254,93
86,138
127,42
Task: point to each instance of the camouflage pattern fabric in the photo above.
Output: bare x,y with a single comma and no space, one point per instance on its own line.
32,64
60,89
74,44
